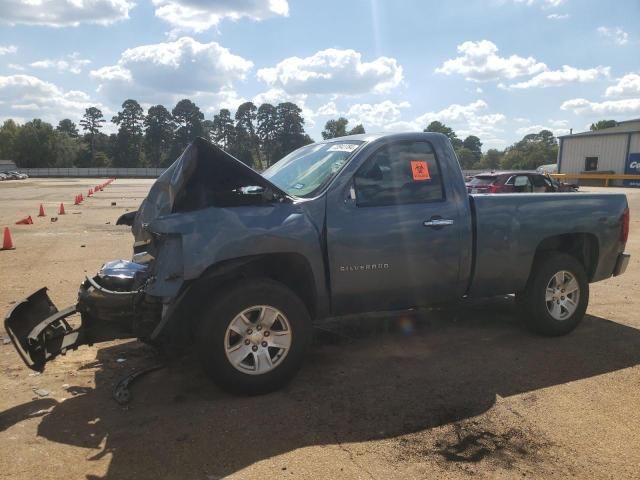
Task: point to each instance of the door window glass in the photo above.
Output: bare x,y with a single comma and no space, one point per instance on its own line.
400,173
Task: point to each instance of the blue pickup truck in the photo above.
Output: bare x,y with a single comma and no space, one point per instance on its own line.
237,266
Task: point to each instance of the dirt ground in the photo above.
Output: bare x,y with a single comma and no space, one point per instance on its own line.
455,393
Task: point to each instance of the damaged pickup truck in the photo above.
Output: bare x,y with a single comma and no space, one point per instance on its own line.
238,266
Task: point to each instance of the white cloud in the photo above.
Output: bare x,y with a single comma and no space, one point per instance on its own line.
479,61
212,102
627,86
558,127
333,71
201,15
581,106
543,3
71,63
617,35
62,13
275,96
568,74
15,66
377,114
470,119
9,49
329,109
184,67
35,97
558,16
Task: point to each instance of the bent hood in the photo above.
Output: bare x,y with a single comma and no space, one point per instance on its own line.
204,176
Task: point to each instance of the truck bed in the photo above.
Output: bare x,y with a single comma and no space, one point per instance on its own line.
509,228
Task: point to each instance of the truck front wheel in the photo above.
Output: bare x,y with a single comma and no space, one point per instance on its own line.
557,294
253,336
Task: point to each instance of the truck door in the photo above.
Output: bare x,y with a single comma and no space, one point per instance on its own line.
394,241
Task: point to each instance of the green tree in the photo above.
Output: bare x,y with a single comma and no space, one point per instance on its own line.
67,126
291,134
91,123
335,128
130,121
247,143
223,132
439,127
338,128
66,149
602,124
8,134
491,159
466,157
34,145
474,145
267,131
533,150
188,121
357,130
102,160
158,134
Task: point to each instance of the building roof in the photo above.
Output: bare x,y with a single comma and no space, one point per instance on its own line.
627,126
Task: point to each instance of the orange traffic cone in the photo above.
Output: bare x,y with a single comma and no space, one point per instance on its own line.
7,241
90,192
76,201
41,214
25,221
61,209
81,198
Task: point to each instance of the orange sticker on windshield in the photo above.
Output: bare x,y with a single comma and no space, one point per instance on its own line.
420,170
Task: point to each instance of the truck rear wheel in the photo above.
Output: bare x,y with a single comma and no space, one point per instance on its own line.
556,297
253,336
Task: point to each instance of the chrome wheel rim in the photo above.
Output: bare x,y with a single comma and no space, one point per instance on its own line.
258,339
562,295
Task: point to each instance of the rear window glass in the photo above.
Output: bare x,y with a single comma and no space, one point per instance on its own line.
482,180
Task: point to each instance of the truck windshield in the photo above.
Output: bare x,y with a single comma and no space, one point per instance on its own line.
304,172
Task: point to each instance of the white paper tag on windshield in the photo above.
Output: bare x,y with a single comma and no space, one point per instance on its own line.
343,147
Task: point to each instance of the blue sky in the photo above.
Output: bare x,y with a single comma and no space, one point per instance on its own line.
497,68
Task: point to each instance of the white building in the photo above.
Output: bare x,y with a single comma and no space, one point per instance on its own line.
611,150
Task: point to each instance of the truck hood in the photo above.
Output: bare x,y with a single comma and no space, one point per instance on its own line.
204,176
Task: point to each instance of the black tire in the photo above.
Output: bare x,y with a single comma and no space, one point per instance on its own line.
219,314
533,304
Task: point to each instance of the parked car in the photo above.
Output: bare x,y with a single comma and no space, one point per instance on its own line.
13,175
3,176
237,266
516,182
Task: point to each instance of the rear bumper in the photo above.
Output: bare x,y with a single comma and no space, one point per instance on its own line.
621,264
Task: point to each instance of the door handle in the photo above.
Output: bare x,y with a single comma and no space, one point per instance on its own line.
438,222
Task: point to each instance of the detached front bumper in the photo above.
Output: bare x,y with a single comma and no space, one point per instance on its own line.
112,305
39,331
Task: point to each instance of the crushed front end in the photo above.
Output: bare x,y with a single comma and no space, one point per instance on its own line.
111,305
174,230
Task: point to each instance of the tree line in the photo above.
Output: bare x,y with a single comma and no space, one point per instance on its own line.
258,136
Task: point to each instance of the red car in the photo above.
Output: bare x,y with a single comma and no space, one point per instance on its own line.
516,182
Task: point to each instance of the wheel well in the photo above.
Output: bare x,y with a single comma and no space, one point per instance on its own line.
290,269
582,246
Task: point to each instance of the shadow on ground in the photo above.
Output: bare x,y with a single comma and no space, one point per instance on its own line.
448,368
